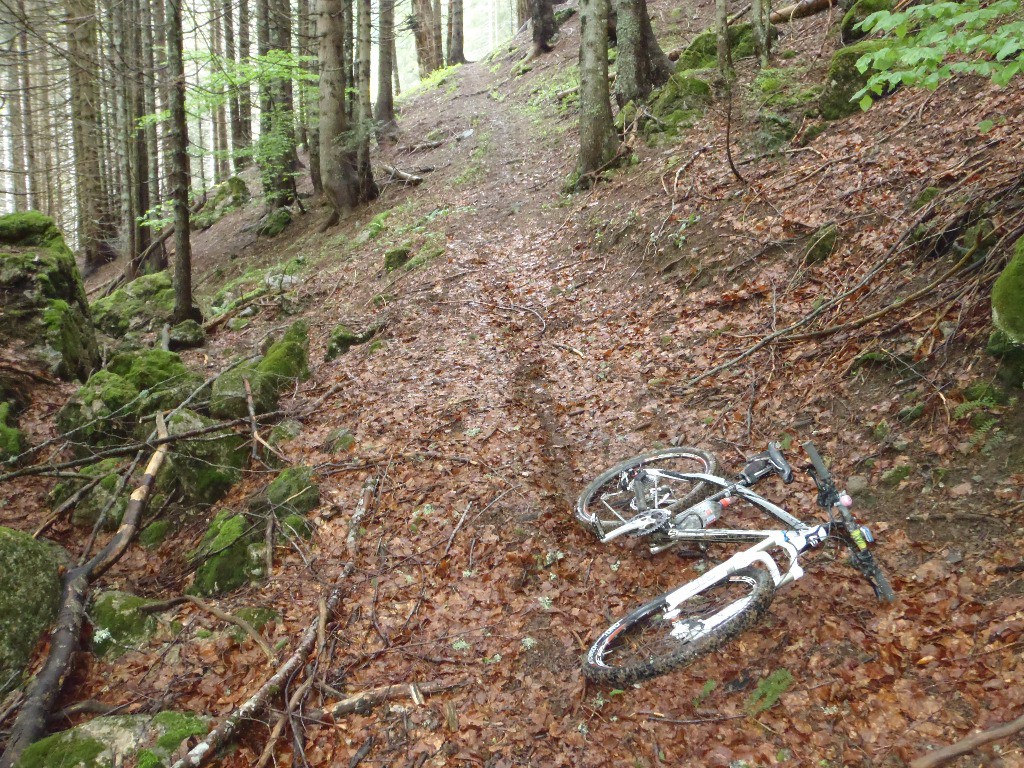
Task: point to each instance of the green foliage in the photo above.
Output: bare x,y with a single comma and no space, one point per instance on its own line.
1008,297
12,441
435,79
927,44
768,691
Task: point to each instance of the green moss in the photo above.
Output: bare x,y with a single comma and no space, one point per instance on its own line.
228,399
160,375
178,726
142,305
292,492
98,500
202,469
342,339
927,195
103,411
274,223
187,335
1011,358
118,624
258,617
339,440
147,759
562,15
702,53
28,228
434,245
284,432
911,413
860,10
153,535
1008,297
225,197
397,257
29,593
12,441
822,244
228,556
844,80
287,360
896,475
66,750
774,131
296,525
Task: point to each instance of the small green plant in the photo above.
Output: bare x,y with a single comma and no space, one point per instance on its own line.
705,691
768,691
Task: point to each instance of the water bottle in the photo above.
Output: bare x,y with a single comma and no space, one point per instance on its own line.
701,516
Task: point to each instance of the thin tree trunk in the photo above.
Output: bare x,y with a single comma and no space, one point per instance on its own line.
243,158
35,175
302,47
597,135
456,32
179,176
158,261
367,188
384,109
222,164
234,111
542,14
313,107
19,171
724,49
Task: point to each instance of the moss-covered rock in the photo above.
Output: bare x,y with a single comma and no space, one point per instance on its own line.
339,440
292,492
1011,358
29,593
1008,297
103,411
397,257
43,304
146,741
681,95
274,223
160,377
101,499
154,534
896,475
142,305
12,441
284,432
822,243
341,340
285,363
202,469
702,53
230,555
927,195
186,335
844,80
118,624
860,10
223,198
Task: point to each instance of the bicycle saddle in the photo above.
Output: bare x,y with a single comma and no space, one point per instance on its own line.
765,463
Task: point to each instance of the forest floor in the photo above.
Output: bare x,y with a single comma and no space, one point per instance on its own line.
556,335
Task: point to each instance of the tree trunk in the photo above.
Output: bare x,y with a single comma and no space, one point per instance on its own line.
724,49
140,147
19,171
367,188
384,109
637,72
597,135
760,10
313,131
542,14
234,102
35,175
221,163
177,136
457,33
337,161
428,52
82,55
158,259
243,148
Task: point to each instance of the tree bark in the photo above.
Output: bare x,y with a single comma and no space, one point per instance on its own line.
234,103
597,136
313,107
641,65
457,32
243,148
177,142
221,163
724,49
19,171
364,128
337,162
428,52
82,59
542,14
384,109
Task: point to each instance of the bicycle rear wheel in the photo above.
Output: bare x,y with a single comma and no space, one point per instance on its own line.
605,504
645,644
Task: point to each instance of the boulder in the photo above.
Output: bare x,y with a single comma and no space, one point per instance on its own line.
702,53
292,492
102,498
223,198
285,363
146,741
844,80
142,305
42,300
675,105
162,379
203,469
230,554
29,595
186,335
860,10
397,257
341,340
118,624
1008,297
822,243
102,412
274,223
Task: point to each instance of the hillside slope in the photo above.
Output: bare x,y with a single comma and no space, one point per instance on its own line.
538,338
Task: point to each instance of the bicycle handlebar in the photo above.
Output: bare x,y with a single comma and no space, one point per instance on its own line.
775,454
819,466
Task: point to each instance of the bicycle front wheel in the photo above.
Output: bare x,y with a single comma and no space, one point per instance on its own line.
606,503
645,644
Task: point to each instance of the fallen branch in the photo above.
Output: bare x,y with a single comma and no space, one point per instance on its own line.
408,178
971,743
422,146
366,700
799,10
64,641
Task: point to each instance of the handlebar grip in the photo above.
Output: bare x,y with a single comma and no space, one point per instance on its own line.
819,466
775,454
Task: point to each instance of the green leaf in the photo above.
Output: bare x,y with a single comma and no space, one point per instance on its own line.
985,126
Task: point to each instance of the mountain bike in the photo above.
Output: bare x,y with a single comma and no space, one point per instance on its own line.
672,496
